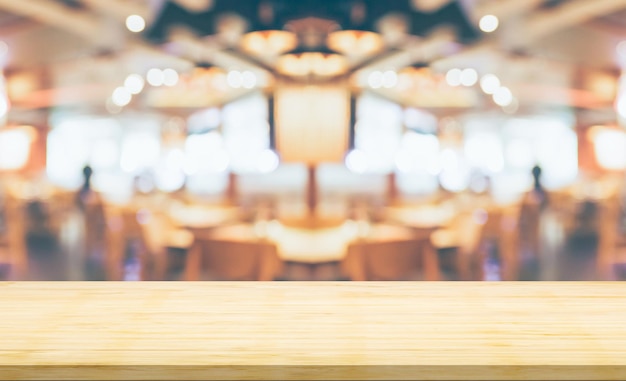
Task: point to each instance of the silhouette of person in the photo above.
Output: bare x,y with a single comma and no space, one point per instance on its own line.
538,194
90,204
85,194
532,210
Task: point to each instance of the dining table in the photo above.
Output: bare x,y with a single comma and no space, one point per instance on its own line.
202,217
311,245
423,217
310,250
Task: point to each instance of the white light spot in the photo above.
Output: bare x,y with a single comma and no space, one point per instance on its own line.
234,79
155,77
267,161
375,79
390,79
453,77
469,77
356,161
620,105
121,96
489,83
488,23
503,97
248,79
134,83
170,77
135,23
4,106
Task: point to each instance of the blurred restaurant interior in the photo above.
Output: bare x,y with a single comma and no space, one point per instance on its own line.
313,140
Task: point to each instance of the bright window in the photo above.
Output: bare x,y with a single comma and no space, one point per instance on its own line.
14,148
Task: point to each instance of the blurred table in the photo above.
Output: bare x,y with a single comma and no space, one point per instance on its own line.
202,217
312,331
424,217
311,245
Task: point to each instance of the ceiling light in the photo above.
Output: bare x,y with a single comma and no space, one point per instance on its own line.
121,96
134,83
355,42
390,79
453,77
503,97
269,42
155,77
234,79
489,83
4,106
469,77
248,79
135,23
356,161
267,161
488,23
170,77
375,79
312,63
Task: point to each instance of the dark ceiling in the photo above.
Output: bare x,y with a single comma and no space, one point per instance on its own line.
349,14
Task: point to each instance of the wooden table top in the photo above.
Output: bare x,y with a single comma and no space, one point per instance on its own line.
309,331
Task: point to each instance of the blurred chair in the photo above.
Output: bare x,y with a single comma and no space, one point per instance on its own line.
611,241
124,243
391,260
529,226
60,205
501,232
13,247
462,238
211,259
159,235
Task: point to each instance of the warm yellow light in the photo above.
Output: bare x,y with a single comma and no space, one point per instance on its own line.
312,63
593,131
269,42
355,42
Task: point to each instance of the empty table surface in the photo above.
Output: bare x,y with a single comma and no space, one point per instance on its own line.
298,331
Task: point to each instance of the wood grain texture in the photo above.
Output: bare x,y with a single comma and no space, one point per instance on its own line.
312,331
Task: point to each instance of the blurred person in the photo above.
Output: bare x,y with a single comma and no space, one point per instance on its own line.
84,234
538,193
86,195
533,204
541,232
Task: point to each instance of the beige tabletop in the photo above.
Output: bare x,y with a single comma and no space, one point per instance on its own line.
312,331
